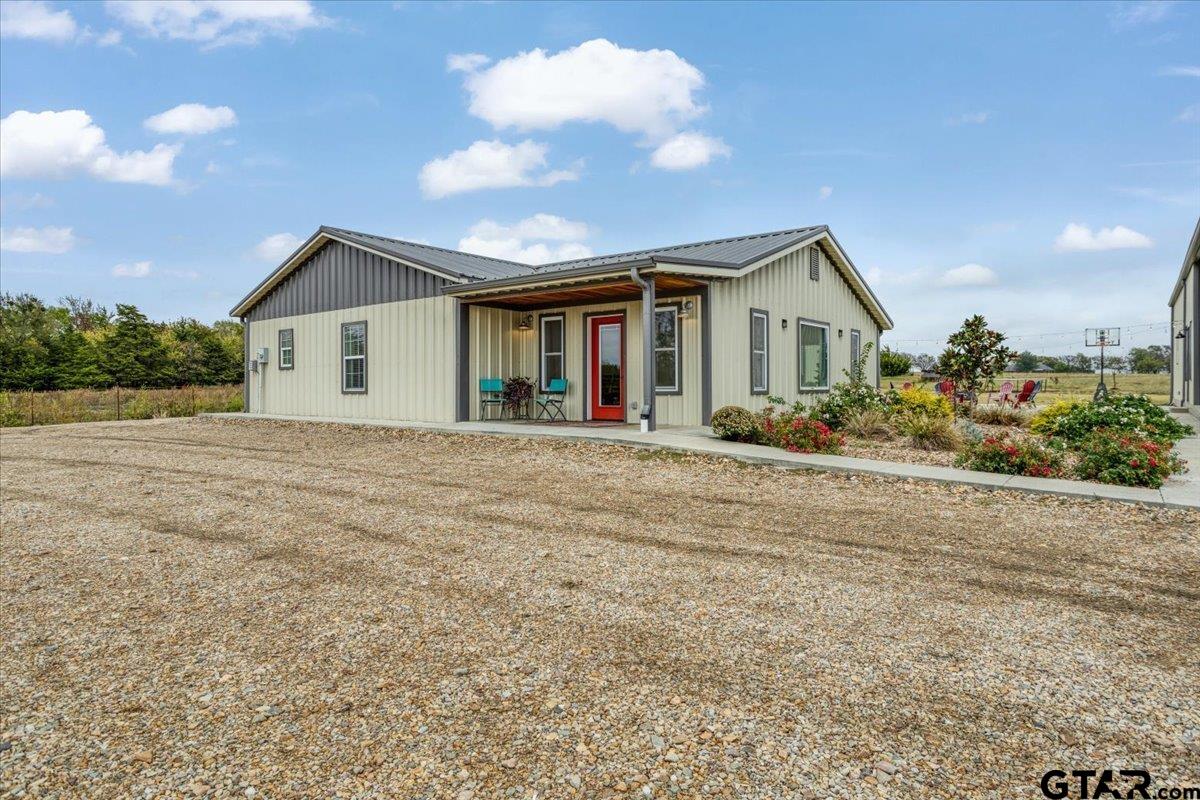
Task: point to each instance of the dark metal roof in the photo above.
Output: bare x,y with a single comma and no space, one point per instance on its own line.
734,252
463,265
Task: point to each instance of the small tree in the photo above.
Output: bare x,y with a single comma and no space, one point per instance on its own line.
893,363
1026,362
975,355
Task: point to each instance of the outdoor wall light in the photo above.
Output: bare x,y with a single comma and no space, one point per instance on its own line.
1182,334
525,322
688,307
784,320
839,333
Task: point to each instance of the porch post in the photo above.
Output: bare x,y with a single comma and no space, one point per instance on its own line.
462,361
648,410
705,357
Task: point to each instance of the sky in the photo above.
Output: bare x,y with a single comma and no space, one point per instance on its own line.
1038,163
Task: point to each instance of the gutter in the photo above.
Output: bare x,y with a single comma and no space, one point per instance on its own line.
647,416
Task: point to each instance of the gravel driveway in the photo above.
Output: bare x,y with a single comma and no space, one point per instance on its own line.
223,608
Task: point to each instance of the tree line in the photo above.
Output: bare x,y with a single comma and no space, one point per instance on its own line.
79,344
1154,358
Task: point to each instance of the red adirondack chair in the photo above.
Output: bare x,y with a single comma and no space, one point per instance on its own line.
1026,394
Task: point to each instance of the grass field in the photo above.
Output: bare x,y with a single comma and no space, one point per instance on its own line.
100,405
1077,385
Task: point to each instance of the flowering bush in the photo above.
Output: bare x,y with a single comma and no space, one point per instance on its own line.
1012,457
923,401
736,424
1126,413
844,400
1045,421
797,434
1129,460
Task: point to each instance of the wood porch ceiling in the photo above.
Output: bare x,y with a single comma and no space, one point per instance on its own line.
582,294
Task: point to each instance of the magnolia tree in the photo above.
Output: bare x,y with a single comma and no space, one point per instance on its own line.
976,354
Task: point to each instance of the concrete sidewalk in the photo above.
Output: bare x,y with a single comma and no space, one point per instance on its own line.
1179,492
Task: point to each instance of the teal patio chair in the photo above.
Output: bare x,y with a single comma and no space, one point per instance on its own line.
491,393
550,401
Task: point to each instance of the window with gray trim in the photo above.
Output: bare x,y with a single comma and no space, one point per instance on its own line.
759,351
814,354
855,349
354,357
286,350
666,349
552,348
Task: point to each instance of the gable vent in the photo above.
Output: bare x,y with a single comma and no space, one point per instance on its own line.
814,264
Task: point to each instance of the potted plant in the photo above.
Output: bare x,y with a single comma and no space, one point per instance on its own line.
516,396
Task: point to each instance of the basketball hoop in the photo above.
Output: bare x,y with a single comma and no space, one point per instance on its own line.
1102,338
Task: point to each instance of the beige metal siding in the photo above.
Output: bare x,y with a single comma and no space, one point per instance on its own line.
1183,318
410,363
499,349
784,290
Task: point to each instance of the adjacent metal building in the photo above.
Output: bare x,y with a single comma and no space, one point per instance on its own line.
365,327
1185,339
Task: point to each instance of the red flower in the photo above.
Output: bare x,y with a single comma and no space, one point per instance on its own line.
1133,462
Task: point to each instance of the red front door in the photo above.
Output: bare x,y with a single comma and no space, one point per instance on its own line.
606,379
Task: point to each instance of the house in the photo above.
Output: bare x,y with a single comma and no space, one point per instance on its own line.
1185,339
366,327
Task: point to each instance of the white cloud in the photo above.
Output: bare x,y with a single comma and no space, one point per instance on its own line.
968,275
138,269
192,118
1180,72
688,150
216,23
1189,114
1077,237
37,240
1144,12
651,92
33,19
212,168
22,202
277,247
466,62
490,165
825,192
519,243
973,118
58,144
110,38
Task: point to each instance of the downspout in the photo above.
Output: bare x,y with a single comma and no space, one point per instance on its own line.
647,286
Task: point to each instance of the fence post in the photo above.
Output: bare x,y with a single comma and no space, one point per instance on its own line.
31,406
193,399
118,402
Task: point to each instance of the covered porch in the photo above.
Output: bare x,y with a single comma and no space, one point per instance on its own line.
610,336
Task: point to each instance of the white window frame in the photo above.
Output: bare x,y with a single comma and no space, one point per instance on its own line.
756,314
543,379
346,359
287,354
677,387
801,324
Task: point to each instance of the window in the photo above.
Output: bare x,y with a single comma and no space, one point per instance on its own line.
285,348
814,264
552,349
855,349
354,357
759,378
814,355
666,350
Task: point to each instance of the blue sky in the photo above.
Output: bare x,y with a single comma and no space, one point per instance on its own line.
1039,163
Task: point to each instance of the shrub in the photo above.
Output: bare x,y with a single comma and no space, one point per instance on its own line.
846,399
1000,415
736,424
797,434
970,432
923,401
1130,414
868,423
1044,421
1129,460
1008,457
928,431
893,363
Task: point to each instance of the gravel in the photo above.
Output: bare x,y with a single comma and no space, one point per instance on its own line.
214,608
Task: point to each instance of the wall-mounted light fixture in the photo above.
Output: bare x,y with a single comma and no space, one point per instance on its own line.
688,308
525,322
784,321
839,333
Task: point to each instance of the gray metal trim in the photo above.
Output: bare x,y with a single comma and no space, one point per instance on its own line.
1191,259
279,347
462,367
1194,333
586,398
705,358
800,361
767,355
541,379
691,291
878,369
245,365
342,356
678,390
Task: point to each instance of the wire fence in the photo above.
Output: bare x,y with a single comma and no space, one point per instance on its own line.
117,403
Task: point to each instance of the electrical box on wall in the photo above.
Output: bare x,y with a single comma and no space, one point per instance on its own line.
261,355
